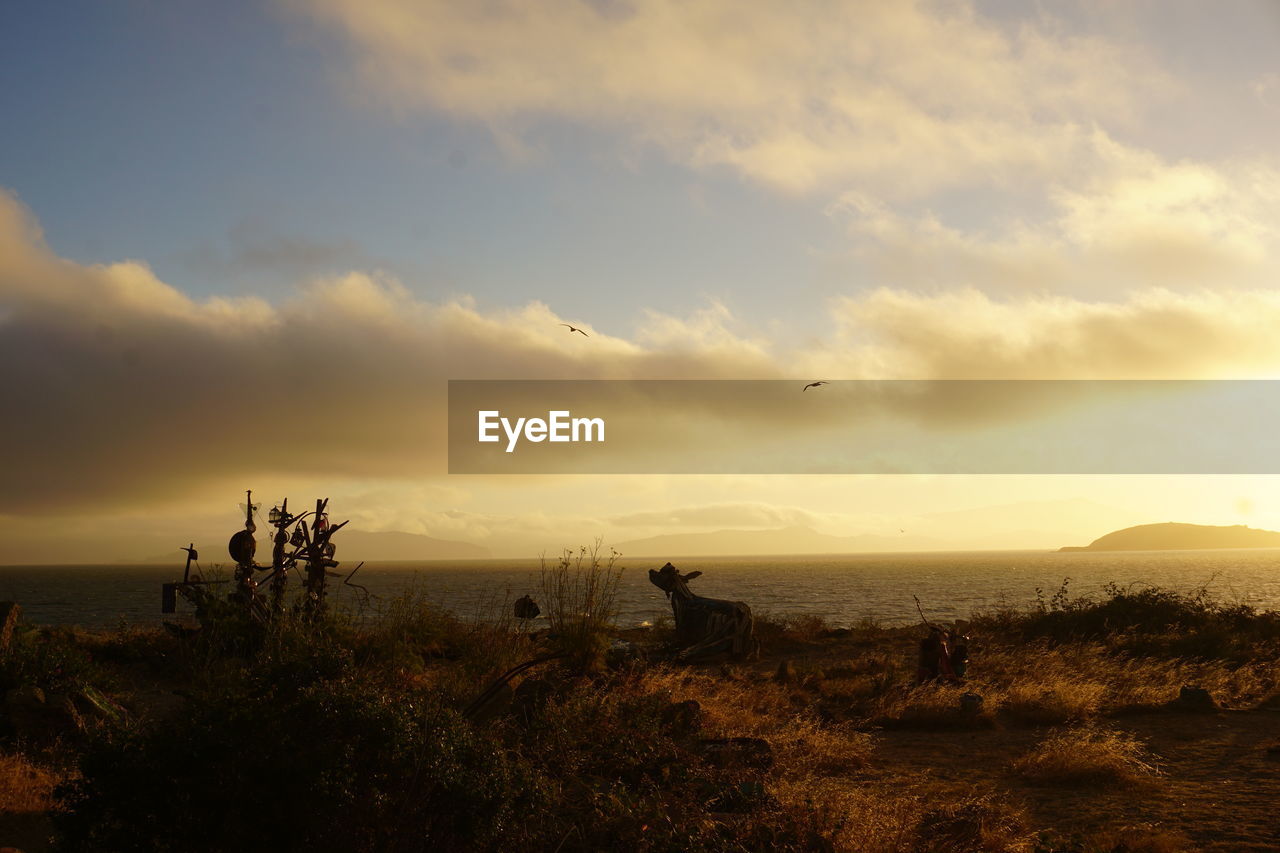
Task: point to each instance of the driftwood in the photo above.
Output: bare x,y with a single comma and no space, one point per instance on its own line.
494,699
300,541
706,626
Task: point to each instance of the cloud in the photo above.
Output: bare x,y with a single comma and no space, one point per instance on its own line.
120,386
747,514
1139,223
902,98
123,391
967,334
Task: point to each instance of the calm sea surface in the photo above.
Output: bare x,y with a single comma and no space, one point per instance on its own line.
841,588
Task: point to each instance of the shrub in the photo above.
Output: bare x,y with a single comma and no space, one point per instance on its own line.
1147,620
800,627
976,824
1087,754
332,765
49,658
579,594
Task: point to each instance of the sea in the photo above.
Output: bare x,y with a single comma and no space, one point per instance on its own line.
845,590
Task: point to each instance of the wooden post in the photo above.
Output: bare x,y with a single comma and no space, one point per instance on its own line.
316,560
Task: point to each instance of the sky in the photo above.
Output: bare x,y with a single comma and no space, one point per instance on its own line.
245,245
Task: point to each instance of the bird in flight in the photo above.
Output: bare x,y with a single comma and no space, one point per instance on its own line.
815,385
573,329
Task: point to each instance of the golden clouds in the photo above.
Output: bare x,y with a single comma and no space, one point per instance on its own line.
902,97
966,334
1138,222
122,387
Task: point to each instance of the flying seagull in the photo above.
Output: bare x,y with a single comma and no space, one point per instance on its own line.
573,329
815,385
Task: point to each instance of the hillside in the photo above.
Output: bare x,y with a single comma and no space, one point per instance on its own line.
1172,536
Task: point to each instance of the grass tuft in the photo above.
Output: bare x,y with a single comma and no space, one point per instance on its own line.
1087,754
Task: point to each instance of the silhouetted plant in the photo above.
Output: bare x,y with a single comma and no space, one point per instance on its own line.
331,765
579,593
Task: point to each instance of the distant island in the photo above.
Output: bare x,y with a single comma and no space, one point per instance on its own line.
1172,536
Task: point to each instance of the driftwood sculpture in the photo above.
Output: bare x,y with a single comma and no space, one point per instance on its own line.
302,540
706,626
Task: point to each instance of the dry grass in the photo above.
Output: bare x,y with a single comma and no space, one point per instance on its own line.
821,772
804,627
1087,754
608,756
1053,701
25,787
931,706
895,818
746,707
1047,685
579,597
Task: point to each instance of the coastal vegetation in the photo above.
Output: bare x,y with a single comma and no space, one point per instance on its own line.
1137,720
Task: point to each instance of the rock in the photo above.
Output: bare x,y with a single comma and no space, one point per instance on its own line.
750,752
10,613
970,703
526,608
1194,699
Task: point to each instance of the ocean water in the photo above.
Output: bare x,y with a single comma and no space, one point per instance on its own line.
844,589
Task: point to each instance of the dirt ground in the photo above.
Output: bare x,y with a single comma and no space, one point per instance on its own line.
1218,784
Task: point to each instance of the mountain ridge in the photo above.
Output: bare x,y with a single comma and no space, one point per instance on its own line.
1179,536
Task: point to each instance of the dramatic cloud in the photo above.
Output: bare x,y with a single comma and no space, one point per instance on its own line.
1006,154
121,385
124,389
903,97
